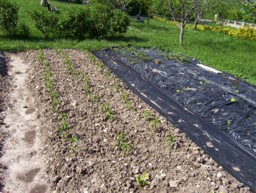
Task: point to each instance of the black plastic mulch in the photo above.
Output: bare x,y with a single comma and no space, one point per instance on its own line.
215,109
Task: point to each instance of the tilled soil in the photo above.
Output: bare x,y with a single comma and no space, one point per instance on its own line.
100,137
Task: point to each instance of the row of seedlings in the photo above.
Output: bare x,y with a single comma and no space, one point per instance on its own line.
50,85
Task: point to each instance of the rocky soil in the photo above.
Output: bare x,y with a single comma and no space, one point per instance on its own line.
100,137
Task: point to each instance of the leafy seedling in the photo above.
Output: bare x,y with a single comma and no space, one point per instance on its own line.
109,113
233,100
64,127
170,139
122,143
142,179
155,123
146,114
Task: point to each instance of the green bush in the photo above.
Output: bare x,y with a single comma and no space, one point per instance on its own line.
8,17
76,23
100,21
46,22
23,30
119,22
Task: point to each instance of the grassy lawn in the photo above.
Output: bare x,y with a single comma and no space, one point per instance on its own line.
220,51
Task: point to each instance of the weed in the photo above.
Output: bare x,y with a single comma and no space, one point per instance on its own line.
122,143
130,105
142,179
170,139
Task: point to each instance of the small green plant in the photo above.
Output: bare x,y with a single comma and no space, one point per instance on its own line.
125,96
74,140
142,179
87,85
170,139
70,67
229,122
107,74
109,113
116,84
122,143
233,100
100,66
55,101
155,123
146,115
64,127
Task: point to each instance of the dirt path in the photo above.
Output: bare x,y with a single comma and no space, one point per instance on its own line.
23,146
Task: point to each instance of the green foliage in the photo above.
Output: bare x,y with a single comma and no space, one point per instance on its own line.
142,179
170,139
155,123
76,22
8,17
46,21
122,143
146,114
64,127
23,30
119,22
109,113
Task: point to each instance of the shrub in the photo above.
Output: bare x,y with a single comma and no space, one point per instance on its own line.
8,17
119,22
99,21
76,23
46,21
23,30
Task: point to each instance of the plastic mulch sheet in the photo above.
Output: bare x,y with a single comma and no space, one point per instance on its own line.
216,110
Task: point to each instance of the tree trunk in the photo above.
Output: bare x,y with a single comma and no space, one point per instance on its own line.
181,34
44,3
195,23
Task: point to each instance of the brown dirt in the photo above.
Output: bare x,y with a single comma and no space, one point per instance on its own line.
94,163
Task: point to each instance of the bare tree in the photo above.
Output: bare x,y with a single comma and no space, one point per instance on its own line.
120,4
181,10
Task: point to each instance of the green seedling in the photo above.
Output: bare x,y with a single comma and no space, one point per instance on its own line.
233,100
100,66
155,123
41,56
64,127
146,114
74,140
55,100
125,96
130,105
93,98
236,91
157,61
122,143
142,179
116,84
109,113
107,74
229,122
170,139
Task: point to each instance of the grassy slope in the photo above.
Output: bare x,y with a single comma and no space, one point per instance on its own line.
217,50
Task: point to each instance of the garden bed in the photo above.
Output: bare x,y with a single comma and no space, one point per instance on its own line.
100,137
208,101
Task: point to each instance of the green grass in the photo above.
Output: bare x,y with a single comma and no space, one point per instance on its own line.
220,51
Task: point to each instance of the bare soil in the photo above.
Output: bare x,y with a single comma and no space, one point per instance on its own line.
87,158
